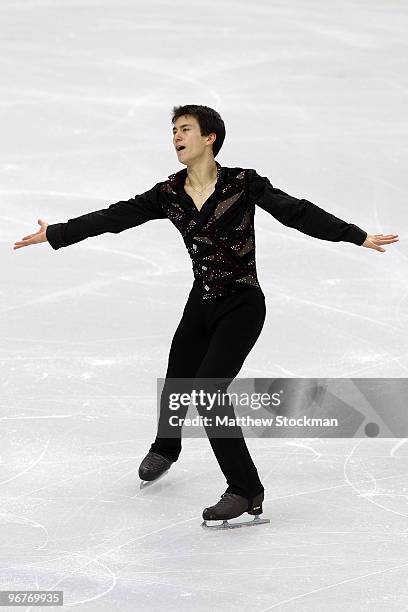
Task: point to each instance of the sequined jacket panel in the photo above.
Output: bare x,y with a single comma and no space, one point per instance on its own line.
220,237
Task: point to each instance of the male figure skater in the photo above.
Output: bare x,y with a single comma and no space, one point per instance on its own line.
213,207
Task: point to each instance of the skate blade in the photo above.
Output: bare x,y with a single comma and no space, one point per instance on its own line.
226,525
147,483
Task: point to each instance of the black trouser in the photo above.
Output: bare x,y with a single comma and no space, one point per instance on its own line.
212,340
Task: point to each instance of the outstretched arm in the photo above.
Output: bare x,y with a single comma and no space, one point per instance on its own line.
301,214
116,218
309,218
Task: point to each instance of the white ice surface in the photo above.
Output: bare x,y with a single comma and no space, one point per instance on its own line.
314,96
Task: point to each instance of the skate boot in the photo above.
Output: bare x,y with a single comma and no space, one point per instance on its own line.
231,506
152,467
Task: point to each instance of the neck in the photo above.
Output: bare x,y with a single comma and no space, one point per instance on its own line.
202,172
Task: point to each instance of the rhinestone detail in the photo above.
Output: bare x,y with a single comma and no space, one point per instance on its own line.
219,259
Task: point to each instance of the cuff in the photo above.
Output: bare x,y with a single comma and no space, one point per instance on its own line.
54,235
355,235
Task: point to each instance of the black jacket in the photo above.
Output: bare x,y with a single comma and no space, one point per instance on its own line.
220,238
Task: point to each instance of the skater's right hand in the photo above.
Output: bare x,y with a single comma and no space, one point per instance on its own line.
39,236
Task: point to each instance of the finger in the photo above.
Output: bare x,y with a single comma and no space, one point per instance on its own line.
24,242
373,245
385,238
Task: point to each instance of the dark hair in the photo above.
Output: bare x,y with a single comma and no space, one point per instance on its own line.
208,119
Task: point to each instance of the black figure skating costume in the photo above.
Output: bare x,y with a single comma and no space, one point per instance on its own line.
225,310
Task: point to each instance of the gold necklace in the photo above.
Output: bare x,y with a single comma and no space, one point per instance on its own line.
200,193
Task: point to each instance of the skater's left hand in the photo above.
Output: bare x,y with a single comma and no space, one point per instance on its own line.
375,241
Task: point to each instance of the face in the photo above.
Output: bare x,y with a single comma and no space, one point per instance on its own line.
186,132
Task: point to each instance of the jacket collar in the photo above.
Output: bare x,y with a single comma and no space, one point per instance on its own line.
200,217
177,179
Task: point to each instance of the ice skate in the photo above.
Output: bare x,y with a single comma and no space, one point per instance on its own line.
231,506
152,468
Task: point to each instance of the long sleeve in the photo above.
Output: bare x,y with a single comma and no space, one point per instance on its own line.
301,214
116,218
